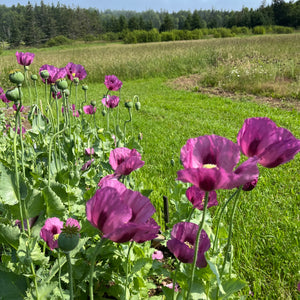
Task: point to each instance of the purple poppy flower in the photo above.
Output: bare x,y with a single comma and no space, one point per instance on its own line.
72,223
87,165
3,96
182,243
196,197
112,83
271,144
54,73
74,70
89,109
18,131
123,160
122,215
111,101
16,108
50,232
157,254
170,286
249,186
209,161
89,151
57,95
24,59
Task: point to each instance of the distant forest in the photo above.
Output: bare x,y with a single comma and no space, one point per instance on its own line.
35,25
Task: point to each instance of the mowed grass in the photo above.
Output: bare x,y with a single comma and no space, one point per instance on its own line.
266,228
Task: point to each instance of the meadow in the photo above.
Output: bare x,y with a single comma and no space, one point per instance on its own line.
266,231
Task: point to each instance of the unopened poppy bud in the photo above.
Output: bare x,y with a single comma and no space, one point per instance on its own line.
138,105
93,103
128,104
140,136
16,77
34,77
62,84
103,112
85,87
67,92
44,74
53,89
76,80
13,94
26,68
80,111
172,162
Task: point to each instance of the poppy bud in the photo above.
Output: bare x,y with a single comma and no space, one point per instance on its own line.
62,84
138,105
16,77
34,77
44,74
128,104
103,112
85,87
67,92
172,162
140,136
13,94
93,103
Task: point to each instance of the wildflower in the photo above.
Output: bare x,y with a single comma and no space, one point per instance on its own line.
53,73
111,101
208,163
87,165
3,96
196,197
89,109
69,236
249,186
15,107
123,160
122,215
170,286
112,83
89,151
157,254
25,59
271,144
50,231
182,243
75,71
18,131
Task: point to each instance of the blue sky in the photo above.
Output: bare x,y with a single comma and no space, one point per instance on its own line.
156,5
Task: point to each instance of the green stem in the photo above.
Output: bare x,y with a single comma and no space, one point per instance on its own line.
70,275
130,118
36,93
97,251
26,81
220,217
35,282
197,245
127,260
59,274
174,280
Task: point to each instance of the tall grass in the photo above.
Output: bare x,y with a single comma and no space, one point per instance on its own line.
266,65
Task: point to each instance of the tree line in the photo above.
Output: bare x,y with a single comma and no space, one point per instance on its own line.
37,24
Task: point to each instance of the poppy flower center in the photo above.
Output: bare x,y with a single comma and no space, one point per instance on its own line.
55,237
209,166
189,245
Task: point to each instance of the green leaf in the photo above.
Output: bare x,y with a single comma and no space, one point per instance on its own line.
232,286
215,270
12,286
7,186
9,235
34,203
54,205
146,193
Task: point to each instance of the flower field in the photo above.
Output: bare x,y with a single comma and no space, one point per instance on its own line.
82,186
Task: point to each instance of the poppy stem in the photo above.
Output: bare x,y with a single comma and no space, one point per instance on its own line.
127,260
97,251
197,244
70,275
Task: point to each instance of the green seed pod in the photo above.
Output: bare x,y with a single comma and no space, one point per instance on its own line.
93,103
76,80
62,84
44,74
13,94
53,88
67,242
34,77
16,77
103,112
85,87
138,105
67,92
128,104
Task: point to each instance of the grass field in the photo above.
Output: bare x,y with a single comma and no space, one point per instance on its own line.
266,229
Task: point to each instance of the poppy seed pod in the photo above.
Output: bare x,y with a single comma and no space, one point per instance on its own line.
128,104
44,74
68,242
85,87
93,103
13,94
34,77
62,84
16,77
76,80
103,112
67,92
